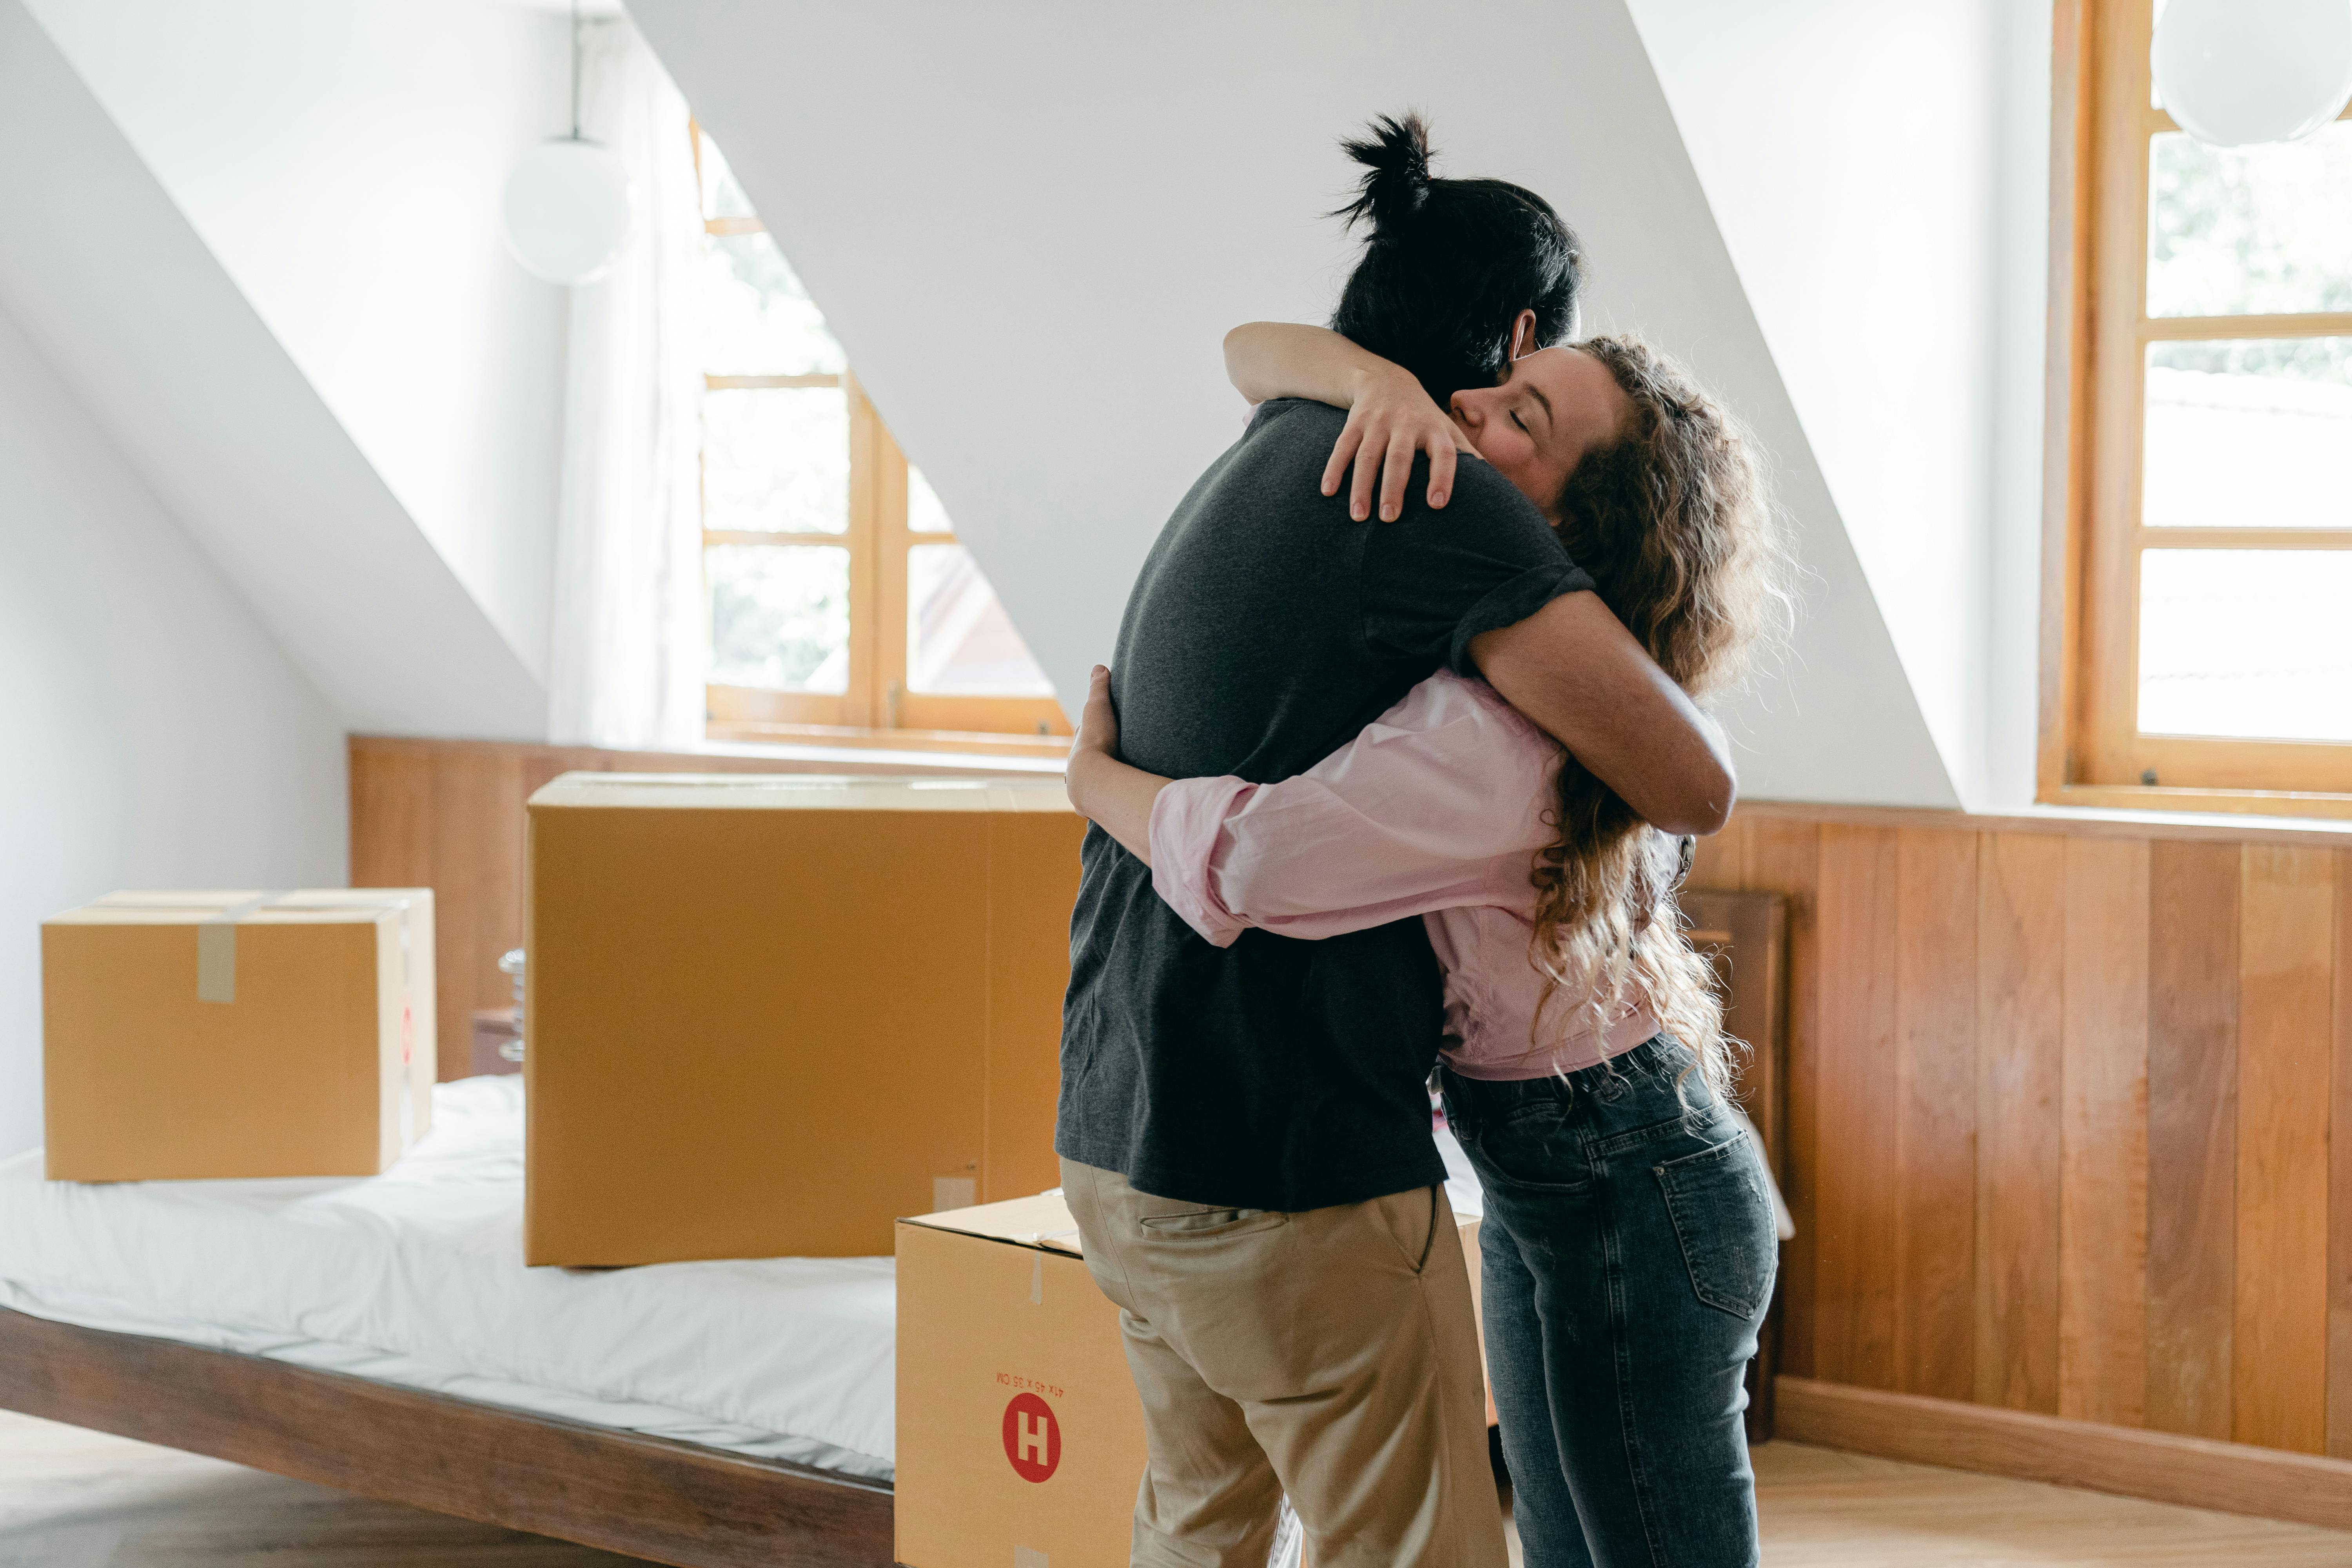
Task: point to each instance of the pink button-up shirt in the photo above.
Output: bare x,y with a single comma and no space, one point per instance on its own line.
1435,810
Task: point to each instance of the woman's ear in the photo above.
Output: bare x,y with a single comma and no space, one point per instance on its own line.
1523,336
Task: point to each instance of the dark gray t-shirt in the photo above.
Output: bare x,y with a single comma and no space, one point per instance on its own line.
1267,628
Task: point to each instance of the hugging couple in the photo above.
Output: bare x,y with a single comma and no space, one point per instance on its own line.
1387,777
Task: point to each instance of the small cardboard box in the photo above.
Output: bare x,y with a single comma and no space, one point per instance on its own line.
237,1035
768,1014
1020,1434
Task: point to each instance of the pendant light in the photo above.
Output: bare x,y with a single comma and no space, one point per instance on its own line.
2236,73
567,208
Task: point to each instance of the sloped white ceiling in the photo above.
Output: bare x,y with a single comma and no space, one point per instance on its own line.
108,278
1849,151
342,159
1032,223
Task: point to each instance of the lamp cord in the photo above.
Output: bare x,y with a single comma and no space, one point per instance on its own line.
575,70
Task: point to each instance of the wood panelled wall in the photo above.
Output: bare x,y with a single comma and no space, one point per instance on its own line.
2060,1090
2060,1101
448,815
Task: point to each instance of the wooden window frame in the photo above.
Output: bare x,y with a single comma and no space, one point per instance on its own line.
2091,752
876,709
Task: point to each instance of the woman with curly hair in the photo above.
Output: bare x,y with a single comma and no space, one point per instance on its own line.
1630,1246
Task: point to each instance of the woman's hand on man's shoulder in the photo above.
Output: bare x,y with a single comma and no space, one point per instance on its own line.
1390,422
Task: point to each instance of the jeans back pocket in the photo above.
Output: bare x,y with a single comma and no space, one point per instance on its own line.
1723,1217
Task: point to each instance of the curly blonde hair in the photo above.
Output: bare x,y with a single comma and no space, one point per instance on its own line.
1676,527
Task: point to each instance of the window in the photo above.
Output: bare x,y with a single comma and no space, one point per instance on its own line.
840,605
2204,625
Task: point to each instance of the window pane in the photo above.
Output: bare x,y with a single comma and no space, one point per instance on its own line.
2245,643
755,317
2249,230
779,616
2252,434
776,458
924,513
722,197
960,641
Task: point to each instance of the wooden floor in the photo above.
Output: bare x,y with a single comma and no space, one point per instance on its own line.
70,1499
1822,1508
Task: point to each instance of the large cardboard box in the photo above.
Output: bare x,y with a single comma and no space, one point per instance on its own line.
236,1033
1020,1435
769,1014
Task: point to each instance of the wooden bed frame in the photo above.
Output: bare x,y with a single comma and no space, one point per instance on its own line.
648,1497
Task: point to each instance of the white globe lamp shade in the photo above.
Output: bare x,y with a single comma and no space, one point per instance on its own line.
567,210
2237,73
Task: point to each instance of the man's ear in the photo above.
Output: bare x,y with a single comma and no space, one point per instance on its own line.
1523,336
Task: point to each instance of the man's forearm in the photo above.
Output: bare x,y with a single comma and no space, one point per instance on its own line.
1577,673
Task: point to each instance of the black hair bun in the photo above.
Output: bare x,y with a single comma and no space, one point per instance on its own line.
1395,185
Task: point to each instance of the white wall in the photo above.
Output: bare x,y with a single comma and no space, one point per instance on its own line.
1031,223
1849,151
157,735
343,159
1881,174
105,274
2020,379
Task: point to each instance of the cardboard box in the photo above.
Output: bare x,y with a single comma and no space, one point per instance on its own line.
1020,1435
236,1033
768,1014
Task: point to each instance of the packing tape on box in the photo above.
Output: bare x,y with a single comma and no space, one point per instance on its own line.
216,940
216,949
216,933
1037,1238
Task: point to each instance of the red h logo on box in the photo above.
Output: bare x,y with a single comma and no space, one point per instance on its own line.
1032,1438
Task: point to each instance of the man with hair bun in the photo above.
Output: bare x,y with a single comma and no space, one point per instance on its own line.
1245,1131
1452,267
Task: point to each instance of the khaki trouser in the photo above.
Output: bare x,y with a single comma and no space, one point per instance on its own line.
1332,1355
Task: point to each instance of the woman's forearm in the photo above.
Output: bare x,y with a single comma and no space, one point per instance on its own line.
1115,797
1284,359
1440,806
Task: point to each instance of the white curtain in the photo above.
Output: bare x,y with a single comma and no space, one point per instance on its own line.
626,668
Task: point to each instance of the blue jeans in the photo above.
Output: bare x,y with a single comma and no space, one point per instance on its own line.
1629,1250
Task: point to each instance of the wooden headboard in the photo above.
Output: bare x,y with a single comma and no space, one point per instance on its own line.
1747,937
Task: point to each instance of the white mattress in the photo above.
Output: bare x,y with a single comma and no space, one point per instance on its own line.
416,1278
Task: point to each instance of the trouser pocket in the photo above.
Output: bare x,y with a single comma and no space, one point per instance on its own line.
1411,1220
1207,1222
1723,1218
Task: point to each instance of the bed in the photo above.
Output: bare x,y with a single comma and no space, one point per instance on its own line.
383,1337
